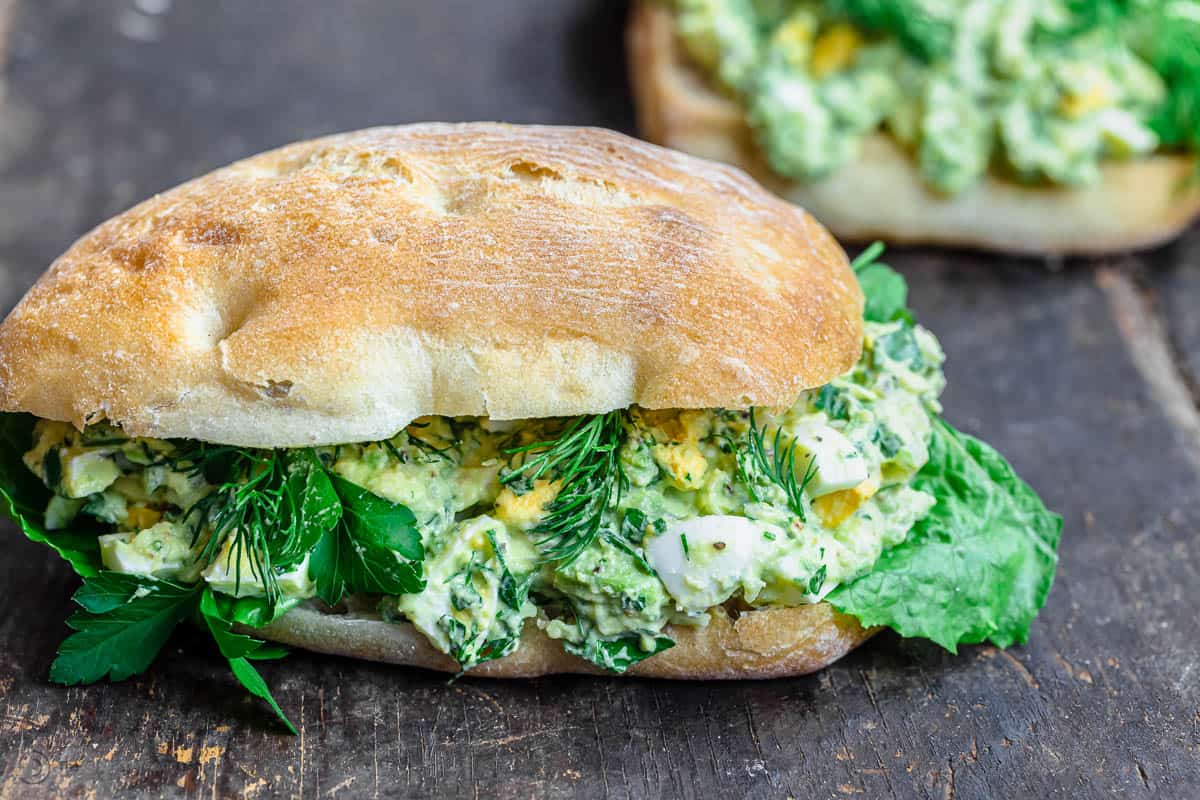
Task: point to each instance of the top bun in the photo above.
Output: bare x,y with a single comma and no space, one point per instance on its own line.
334,290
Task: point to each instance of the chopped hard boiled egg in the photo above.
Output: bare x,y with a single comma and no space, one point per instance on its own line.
466,609
837,463
238,577
836,507
834,49
524,510
163,550
703,560
88,473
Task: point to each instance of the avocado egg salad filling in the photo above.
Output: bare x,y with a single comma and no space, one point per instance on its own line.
1040,91
605,531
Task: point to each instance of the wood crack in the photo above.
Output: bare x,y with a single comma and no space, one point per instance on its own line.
1153,354
1141,771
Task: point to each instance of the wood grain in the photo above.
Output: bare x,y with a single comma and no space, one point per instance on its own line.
105,108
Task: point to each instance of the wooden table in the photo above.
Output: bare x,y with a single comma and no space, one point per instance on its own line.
1084,374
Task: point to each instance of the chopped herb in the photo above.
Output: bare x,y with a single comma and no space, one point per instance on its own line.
619,654
687,553
901,346
513,591
832,401
779,466
633,525
584,460
633,605
817,580
621,543
889,443
463,593
52,467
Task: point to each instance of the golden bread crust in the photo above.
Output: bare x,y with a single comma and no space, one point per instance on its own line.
333,290
765,643
882,195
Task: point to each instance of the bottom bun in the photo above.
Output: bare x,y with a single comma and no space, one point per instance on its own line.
882,194
765,643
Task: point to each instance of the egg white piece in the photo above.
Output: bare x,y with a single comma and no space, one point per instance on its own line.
837,463
719,555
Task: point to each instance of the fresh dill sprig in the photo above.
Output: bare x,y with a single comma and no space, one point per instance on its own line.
778,465
584,460
259,500
244,505
429,448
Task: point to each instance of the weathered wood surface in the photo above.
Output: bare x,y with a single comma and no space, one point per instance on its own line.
1083,376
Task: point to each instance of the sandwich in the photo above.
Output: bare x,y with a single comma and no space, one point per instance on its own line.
504,401
1063,127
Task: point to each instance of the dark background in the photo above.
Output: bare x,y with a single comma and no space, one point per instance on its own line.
1082,373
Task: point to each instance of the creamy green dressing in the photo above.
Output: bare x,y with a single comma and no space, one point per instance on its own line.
702,530
1018,90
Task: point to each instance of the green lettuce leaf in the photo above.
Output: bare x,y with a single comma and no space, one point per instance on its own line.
23,499
977,568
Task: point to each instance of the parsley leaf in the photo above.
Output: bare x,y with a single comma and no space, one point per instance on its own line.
311,508
377,522
123,621
375,549
23,499
328,565
238,649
